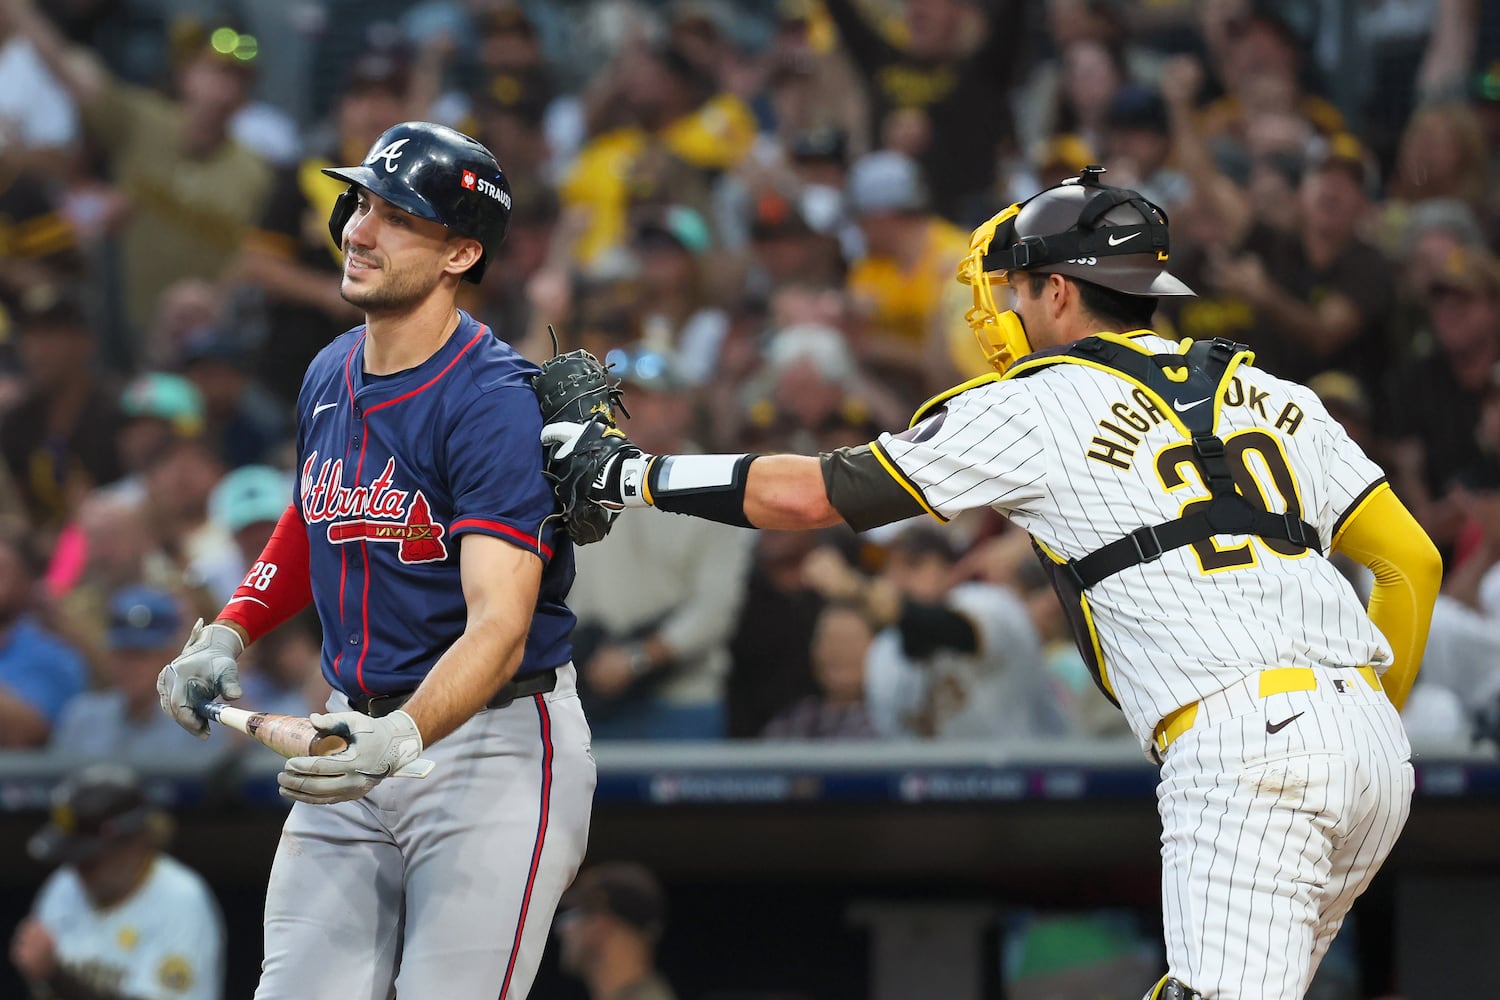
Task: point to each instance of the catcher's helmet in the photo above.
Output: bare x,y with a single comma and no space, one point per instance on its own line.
435,173
1091,231
1112,237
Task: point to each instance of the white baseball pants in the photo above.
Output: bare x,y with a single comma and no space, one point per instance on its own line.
1271,828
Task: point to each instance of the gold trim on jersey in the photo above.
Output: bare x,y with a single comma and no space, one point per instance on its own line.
1360,503
1064,359
926,408
905,483
1088,621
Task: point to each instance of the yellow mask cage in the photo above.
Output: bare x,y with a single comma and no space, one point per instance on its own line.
1001,336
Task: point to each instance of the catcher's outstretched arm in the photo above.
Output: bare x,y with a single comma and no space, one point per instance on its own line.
597,471
786,492
1383,535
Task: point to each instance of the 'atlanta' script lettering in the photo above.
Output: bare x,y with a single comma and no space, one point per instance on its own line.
326,498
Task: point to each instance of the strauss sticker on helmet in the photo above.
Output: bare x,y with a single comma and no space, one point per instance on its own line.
471,181
390,154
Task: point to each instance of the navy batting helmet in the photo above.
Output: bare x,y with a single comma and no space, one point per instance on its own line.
435,173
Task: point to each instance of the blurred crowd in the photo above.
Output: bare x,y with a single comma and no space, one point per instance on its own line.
755,211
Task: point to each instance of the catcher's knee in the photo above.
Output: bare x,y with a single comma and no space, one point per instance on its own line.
1168,988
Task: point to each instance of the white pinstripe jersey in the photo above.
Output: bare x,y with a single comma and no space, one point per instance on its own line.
1079,457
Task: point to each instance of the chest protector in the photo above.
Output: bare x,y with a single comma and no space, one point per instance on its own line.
1179,383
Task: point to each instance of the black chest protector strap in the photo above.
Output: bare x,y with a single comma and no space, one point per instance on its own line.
1228,512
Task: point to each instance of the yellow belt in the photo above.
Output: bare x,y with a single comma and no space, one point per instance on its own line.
1278,681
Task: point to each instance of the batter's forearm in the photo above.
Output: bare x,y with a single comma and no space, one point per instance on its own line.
279,584
466,677
501,583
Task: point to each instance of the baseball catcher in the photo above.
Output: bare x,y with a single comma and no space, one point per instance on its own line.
1184,502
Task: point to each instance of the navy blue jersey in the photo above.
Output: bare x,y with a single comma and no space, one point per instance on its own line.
394,471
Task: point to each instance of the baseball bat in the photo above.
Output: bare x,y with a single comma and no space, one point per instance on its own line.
292,735
288,735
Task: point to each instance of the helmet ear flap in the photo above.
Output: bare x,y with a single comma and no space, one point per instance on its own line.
343,209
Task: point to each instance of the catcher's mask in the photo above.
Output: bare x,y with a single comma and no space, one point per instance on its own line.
1082,228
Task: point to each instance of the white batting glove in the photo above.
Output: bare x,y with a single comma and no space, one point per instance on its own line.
204,670
378,748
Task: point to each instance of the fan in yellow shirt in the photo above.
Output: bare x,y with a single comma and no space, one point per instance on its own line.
904,284
672,109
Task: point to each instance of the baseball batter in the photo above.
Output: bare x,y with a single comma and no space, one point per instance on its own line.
1184,503
419,530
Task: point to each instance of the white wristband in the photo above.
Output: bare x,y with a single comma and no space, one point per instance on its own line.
633,480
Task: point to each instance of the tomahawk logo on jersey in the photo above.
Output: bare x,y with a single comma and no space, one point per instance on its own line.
377,513
392,474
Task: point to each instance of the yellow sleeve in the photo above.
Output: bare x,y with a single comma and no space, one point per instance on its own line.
1382,534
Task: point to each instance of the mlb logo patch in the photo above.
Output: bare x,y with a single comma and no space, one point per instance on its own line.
469,180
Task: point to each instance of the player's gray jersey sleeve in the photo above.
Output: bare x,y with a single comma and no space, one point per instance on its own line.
981,450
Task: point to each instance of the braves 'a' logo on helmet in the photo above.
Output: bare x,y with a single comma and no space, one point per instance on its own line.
434,173
391,154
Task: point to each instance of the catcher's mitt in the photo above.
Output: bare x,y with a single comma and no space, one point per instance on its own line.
585,473
574,388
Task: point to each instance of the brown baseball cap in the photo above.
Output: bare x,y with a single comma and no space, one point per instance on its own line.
92,810
1467,269
1340,390
1343,151
626,891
